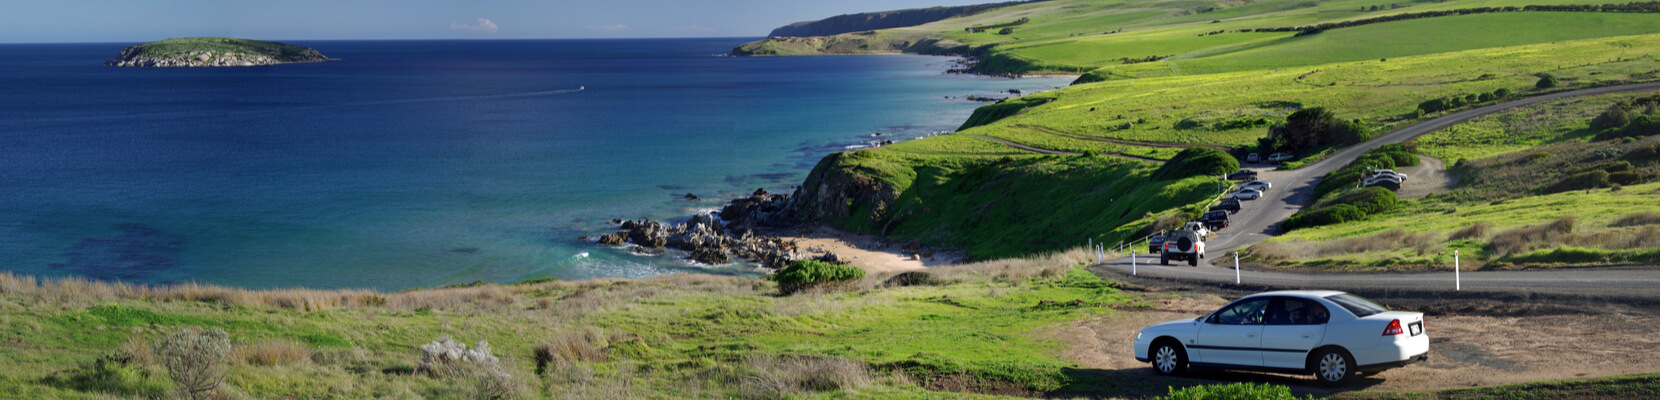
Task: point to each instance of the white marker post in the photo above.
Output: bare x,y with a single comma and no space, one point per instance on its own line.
1457,282
1236,268
1132,261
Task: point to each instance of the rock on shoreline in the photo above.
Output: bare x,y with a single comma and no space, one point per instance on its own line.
213,52
712,241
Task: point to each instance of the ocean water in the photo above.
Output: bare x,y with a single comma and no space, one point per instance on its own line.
422,163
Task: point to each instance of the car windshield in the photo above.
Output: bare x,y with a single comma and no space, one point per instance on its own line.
1355,304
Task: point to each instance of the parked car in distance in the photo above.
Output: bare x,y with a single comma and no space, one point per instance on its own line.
1215,220
1253,157
1280,157
1229,205
1258,185
1183,245
1389,182
1330,334
1155,242
1243,174
1388,172
1247,194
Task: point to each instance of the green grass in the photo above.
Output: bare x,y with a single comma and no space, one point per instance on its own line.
665,335
1642,386
1518,129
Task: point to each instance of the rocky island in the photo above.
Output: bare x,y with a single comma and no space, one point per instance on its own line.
213,52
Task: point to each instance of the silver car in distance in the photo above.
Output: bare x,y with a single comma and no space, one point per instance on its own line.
1330,334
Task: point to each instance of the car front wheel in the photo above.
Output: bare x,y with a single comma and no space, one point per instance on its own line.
1169,358
1334,367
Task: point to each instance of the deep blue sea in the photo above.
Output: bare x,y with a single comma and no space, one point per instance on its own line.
422,163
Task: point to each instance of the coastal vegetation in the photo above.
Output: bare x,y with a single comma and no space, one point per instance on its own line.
212,52
1540,186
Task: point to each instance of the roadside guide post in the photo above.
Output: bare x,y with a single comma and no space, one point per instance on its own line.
1236,267
1457,282
1132,261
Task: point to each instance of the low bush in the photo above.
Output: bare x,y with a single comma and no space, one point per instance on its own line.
195,359
1524,239
1546,81
1477,231
1625,178
1370,200
1196,161
1325,216
570,346
1402,159
1614,117
807,273
1233,391
1581,181
1638,219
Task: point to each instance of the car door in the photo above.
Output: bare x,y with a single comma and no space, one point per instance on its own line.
1294,327
1233,335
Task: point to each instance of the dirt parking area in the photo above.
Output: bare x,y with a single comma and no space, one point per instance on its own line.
1467,348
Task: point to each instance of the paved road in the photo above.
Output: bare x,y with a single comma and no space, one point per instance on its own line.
1293,189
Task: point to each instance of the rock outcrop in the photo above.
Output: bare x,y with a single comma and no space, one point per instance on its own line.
213,52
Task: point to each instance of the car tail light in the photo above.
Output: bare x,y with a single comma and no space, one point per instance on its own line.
1394,328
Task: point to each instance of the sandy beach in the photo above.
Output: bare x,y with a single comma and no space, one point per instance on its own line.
872,253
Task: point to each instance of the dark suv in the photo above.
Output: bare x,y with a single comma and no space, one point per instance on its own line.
1243,175
1155,242
1215,220
1229,205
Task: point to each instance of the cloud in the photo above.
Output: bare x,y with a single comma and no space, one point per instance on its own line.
697,28
608,28
484,25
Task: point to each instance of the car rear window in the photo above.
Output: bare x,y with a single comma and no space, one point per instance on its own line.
1361,307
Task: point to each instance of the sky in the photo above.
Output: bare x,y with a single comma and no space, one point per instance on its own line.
137,21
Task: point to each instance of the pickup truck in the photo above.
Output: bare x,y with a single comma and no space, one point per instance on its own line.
1195,226
1183,245
1215,220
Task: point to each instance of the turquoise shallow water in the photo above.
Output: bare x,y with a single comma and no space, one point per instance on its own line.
421,163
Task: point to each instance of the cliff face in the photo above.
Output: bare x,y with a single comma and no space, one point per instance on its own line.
213,52
836,191
882,20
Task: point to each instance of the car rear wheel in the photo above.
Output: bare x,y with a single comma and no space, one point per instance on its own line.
1334,367
1193,261
1169,358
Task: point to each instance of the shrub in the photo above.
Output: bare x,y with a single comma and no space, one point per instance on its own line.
195,360
807,273
480,370
1638,219
1644,155
1196,161
1580,181
1501,93
1486,97
1309,128
1232,391
1617,166
1609,152
1325,216
1403,159
1521,240
1624,178
1546,81
1433,105
1614,117
1370,200
1477,231
1643,125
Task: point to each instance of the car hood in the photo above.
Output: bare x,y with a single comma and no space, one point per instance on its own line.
1170,325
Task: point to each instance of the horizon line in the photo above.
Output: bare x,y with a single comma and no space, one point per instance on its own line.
401,40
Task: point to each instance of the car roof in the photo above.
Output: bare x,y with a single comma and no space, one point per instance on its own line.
1298,293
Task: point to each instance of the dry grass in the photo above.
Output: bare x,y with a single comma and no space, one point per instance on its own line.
775,377
1473,232
1638,219
1524,239
270,354
1422,243
1008,270
570,346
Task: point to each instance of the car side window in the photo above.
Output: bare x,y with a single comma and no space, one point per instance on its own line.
1291,311
1248,312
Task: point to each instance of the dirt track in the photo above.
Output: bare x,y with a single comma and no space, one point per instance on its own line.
1470,347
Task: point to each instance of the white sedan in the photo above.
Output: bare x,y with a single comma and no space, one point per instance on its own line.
1247,194
1330,334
